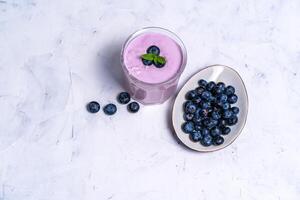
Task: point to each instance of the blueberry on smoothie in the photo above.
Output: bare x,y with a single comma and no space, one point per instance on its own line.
153,50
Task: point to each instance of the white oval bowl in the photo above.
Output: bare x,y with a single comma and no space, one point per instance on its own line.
217,73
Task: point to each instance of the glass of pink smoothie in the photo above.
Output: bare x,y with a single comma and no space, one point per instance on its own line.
150,84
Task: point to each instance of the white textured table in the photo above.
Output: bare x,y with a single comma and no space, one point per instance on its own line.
55,56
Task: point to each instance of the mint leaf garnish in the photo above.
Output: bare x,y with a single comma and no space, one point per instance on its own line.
148,56
160,60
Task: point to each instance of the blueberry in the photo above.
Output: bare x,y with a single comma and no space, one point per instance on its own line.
206,95
153,50
188,116
110,109
197,119
93,107
133,107
199,90
215,115
209,123
147,62
206,141
215,131
226,130
229,90
159,65
222,98
227,114
235,110
221,85
124,98
205,105
202,112
222,122
197,100
232,99
205,131
218,140
210,85
190,108
202,83
198,127
225,106
191,95
196,136
188,127
232,121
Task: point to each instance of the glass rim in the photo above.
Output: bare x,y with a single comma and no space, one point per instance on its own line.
166,32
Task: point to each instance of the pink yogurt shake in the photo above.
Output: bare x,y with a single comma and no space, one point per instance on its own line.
150,84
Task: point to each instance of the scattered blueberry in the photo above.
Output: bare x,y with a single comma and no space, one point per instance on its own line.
232,99
133,107
218,140
124,97
153,50
93,107
188,127
196,136
110,109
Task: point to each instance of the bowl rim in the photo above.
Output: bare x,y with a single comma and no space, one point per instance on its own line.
243,125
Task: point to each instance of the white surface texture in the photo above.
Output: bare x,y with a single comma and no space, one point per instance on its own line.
57,55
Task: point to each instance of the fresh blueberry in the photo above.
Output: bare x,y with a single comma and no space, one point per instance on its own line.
227,114
222,122
196,136
190,108
197,100
205,131
222,98
235,110
210,86
133,107
221,85
206,95
198,127
188,116
205,105
159,65
188,127
197,119
202,112
199,90
209,123
206,141
147,62
153,50
229,90
232,121
110,109
226,130
232,99
215,131
218,140
202,83
225,106
93,107
191,95
124,97
215,115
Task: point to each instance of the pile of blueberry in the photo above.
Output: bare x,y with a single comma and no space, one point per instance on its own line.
110,109
208,112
